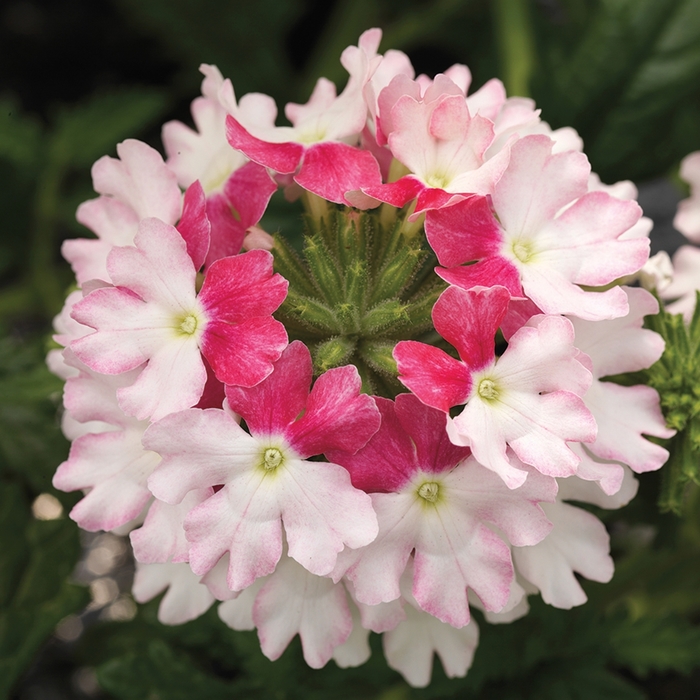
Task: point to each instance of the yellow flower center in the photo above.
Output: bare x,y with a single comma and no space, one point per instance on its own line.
429,491
189,324
272,459
488,389
523,251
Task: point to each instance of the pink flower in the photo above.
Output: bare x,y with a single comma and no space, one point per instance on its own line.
107,459
135,186
231,183
436,137
154,315
542,233
319,146
440,508
687,219
528,399
267,479
624,414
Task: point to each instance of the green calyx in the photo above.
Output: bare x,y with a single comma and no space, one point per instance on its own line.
676,376
359,286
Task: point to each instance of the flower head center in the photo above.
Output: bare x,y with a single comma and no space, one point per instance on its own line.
272,459
188,324
488,389
523,251
429,491
438,180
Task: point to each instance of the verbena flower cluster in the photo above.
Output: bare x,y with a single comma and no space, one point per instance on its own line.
383,428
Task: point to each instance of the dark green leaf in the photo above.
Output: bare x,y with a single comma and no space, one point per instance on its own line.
21,137
627,83
651,644
160,673
85,132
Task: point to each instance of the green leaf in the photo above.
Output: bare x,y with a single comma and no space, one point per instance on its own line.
160,673
21,138
89,130
31,443
650,644
626,83
14,515
580,680
24,629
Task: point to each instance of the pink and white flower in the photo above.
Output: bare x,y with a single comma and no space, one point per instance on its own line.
440,507
154,315
542,234
319,146
687,219
528,399
231,183
440,142
135,186
267,479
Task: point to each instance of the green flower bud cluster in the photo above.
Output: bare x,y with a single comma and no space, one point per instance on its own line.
676,376
359,286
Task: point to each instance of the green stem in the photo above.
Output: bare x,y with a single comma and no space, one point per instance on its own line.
315,206
516,43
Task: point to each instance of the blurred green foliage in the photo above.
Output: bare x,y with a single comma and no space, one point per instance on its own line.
624,73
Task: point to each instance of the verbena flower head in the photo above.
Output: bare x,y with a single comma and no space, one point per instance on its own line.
241,400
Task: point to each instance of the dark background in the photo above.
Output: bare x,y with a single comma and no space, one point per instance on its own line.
76,77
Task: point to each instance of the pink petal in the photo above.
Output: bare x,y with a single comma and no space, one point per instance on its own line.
469,320
243,354
433,198
337,416
375,570
607,475
388,460
464,232
242,521
624,415
161,538
432,375
141,179
159,269
194,226
455,553
516,513
200,449
186,598
537,184
578,542
427,429
280,157
270,406
113,467
240,206
397,193
330,169
240,287
323,513
293,601
486,273
411,646
173,380
249,190
118,346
